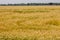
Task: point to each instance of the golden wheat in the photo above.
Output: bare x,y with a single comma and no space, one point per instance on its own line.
29,22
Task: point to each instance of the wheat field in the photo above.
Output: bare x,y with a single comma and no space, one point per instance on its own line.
29,22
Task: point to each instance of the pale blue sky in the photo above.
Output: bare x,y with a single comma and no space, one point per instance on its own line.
27,1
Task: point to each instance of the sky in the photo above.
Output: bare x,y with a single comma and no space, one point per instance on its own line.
28,1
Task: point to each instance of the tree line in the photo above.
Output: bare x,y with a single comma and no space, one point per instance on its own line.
23,4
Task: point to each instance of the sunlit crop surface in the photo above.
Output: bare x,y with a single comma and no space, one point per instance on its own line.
29,22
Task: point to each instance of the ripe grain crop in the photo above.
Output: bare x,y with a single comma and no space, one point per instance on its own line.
29,22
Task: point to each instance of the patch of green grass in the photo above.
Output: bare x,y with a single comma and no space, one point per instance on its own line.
29,11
